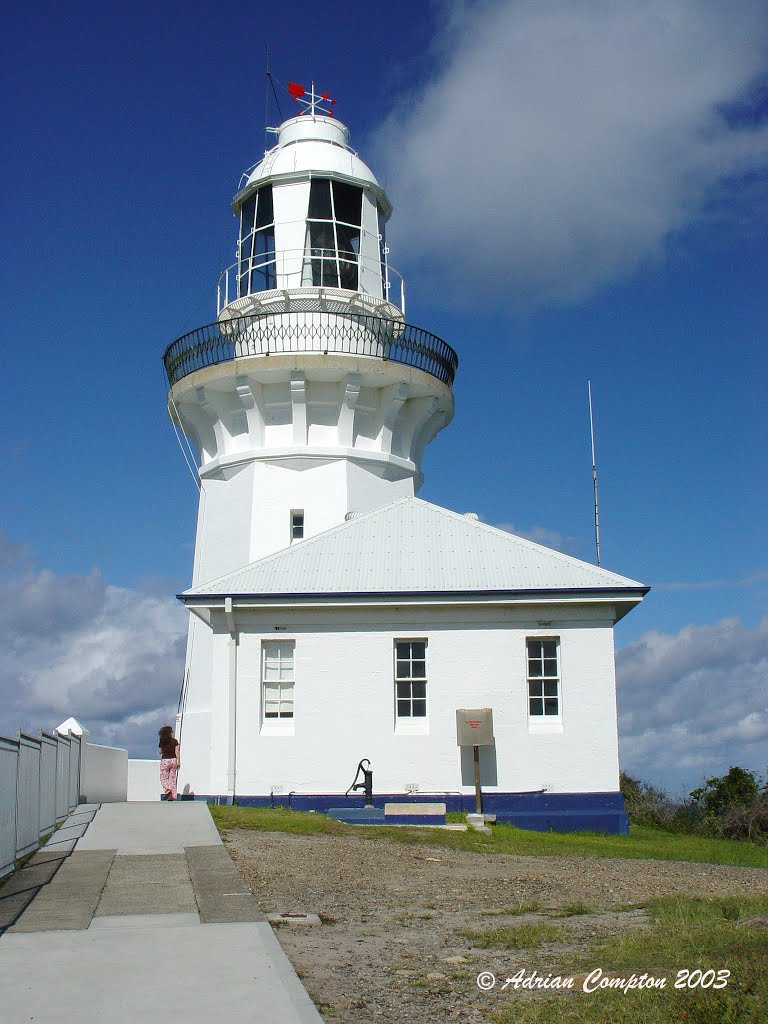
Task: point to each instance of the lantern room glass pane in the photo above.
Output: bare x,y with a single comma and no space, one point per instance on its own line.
264,214
320,199
348,202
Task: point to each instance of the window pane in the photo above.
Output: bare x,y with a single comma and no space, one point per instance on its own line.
419,709
534,668
419,670
403,650
550,667
534,688
403,689
320,199
534,648
265,245
418,689
264,213
403,670
550,648
550,689
246,214
535,706
348,201
418,649
404,708
550,706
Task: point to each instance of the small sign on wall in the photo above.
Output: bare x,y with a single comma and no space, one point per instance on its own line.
474,727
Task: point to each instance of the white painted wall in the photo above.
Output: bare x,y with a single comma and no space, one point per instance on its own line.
476,657
103,774
144,779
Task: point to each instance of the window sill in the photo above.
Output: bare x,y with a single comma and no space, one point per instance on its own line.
545,727
277,728
411,727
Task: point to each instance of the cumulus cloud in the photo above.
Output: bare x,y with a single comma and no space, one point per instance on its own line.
544,536
73,645
692,704
560,144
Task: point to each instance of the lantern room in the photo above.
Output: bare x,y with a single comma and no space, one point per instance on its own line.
311,226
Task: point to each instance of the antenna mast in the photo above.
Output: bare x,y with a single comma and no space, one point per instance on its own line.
594,473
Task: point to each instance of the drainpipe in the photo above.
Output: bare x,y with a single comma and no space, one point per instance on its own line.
232,745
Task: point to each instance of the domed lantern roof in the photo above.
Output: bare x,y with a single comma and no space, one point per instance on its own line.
312,224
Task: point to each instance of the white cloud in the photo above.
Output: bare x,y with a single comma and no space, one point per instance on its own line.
561,144
544,536
694,703
72,645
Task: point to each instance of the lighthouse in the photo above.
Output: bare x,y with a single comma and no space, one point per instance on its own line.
335,615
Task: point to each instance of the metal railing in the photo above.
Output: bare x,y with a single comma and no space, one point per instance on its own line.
301,268
39,786
312,330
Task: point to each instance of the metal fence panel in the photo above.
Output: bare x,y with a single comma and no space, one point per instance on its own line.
62,777
48,750
27,795
9,752
75,753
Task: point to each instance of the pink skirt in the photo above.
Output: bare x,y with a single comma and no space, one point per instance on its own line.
168,773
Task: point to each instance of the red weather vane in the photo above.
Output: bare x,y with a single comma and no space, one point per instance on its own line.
312,102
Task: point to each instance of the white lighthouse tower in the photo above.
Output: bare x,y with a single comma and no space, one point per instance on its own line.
310,399
335,615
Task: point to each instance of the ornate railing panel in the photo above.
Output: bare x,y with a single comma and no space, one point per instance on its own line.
317,331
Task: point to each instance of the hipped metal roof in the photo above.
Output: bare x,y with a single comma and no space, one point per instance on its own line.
411,547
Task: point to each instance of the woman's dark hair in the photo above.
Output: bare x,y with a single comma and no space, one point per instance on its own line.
167,730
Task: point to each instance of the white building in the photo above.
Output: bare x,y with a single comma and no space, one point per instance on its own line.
335,615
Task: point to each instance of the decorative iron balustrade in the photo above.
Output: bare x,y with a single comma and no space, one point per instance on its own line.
323,331
323,268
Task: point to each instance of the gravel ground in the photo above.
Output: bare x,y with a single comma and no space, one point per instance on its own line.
390,949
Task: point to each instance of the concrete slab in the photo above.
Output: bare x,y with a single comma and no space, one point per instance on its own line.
31,876
70,899
81,808
220,891
78,816
149,828
60,846
148,920
13,905
70,830
232,972
46,856
158,883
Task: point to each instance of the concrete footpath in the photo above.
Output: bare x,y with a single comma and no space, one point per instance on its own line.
136,912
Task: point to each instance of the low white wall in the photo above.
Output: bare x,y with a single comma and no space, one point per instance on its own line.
144,780
104,774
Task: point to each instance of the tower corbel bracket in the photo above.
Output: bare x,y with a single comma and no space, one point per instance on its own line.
352,384
299,407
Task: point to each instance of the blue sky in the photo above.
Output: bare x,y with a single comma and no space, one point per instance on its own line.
580,192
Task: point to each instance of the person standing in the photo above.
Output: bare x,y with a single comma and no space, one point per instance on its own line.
170,762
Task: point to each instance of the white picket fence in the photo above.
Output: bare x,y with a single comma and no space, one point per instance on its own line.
39,786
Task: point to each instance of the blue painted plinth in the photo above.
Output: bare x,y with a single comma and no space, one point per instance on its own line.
540,811
358,815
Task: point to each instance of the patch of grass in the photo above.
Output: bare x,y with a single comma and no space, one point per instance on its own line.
690,934
643,841
523,907
574,910
277,819
520,936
